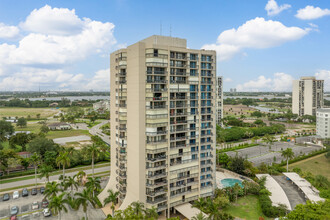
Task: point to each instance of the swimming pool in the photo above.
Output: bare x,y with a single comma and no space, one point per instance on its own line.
231,182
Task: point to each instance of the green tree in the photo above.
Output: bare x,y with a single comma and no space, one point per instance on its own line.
21,139
45,171
64,160
199,216
6,128
35,160
321,182
58,204
92,151
311,210
44,129
93,185
38,116
41,145
71,183
113,199
51,189
137,208
287,154
82,199
21,122
5,155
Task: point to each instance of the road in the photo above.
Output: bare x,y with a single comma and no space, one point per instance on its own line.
51,178
97,131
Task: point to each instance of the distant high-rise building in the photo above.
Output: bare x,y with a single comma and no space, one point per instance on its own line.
232,90
323,122
307,95
219,105
163,144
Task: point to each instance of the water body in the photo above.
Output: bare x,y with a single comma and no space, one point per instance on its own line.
72,98
255,97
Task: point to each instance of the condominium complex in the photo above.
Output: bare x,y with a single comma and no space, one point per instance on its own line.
323,122
307,95
219,105
163,98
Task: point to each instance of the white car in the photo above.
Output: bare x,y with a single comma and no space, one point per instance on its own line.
46,212
16,195
35,205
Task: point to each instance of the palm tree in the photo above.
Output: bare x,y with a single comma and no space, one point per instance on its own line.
112,197
93,184
199,216
57,204
51,189
64,160
137,207
45,171
80,175
70,182
92,151
236,189
35,160
83,199
288,154
151,213
200,203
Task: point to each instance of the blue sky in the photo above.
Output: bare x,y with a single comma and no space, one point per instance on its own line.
65,45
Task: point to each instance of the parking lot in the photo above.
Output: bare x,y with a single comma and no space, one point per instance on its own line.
25,208
263,154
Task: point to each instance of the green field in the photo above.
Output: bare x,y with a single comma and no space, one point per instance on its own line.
24,112
247,207
33,127
318,165
66,133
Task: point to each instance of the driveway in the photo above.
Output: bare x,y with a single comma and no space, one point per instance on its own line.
97,131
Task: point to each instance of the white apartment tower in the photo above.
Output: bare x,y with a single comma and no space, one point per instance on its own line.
163,98
323,122
307,95
219,105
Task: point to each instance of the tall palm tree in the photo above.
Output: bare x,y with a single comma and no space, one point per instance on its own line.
45,171
35,160
287,154
64,160
83,199
112,198
199,216
57,204
200,203
151,213
80,175
92,151
137,207
93,185
70,182
51,189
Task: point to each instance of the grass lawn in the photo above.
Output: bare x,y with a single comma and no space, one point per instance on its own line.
247,207
318,165
66,133
24,112
33,127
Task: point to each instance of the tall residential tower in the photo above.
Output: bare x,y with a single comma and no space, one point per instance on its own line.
219,105
163,98
307,96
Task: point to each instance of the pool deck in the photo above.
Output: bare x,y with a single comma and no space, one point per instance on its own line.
225,175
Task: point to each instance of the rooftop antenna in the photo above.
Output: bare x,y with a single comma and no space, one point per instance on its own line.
170,30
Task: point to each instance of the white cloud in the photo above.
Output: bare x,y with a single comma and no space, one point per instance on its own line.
256,33
325,75
227,80
100,81
272,7
54,21
311,12
279,82
8,31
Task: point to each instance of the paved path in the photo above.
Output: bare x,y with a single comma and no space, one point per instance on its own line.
51,178
65,140
97,131
295,197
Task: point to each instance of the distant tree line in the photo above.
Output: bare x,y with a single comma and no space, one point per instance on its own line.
26,103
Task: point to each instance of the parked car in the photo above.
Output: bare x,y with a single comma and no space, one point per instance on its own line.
16,195
34,191
46,212
44,203
42,190
25,192
5,197
35,205
14,210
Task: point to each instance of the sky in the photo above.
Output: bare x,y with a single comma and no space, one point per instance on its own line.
262,45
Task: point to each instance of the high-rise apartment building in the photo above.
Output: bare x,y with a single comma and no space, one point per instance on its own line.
163,98
307,95
219,105
323,122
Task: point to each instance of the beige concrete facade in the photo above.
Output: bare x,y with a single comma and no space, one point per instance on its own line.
307,95
163,99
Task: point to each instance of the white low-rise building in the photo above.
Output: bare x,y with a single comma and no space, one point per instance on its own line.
102,105
323,122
